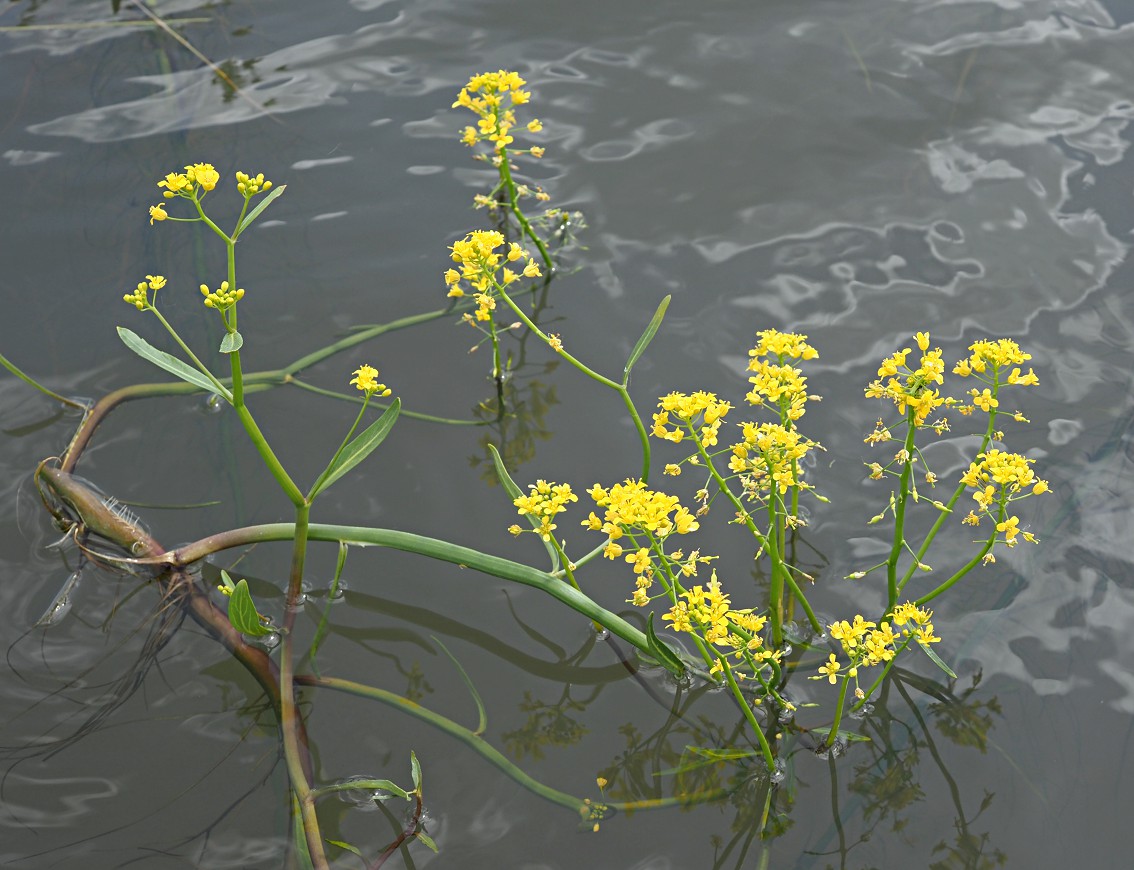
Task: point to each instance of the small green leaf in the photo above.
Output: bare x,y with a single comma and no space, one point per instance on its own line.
502,474
647,337
482,724
354,850
358,449
427,840
231,342
415,770
514,492
394,789
936,659
849,736
171,364
242,612
662,651
264,203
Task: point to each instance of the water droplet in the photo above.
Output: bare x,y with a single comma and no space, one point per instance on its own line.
337,593
212,404
271,641
780,773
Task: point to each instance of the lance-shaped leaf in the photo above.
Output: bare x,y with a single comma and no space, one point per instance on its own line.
358,449
936,659
171,364
264,203
662,651
647,337
415,772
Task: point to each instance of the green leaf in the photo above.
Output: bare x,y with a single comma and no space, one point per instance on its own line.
647,337
299,835
502,474
394,789
242,612
427,840
352,849
171,364
415,770
231,342
936,659
483,716
662,651
514,492
358,449
264,203
849,736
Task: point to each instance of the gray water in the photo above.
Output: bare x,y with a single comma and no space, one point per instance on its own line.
854,171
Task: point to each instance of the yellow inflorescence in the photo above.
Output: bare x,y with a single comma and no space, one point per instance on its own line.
707,612
139,297
366,380
770,455
912,389
545,501
222,297
776,381
482,267
250,185
997,478
868,643
491,95
687,408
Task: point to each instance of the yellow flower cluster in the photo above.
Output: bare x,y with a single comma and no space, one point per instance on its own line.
769,455
366,379
490,95
543,504
196,177
631,507
707,612
221,298
999,477
480,263
250,185
687,408
139,298
912,389
867,643
987,361
775,380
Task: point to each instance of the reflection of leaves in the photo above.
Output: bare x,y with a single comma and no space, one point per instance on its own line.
417,687
519,428
546,725
889,784
966,723
968,852
239,75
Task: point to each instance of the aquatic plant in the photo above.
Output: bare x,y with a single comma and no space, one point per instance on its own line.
755,472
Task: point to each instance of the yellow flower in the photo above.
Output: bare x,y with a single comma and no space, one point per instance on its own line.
535,125
922,339
203,174
640,560
157,213
536,151
366,379
176,184
830,669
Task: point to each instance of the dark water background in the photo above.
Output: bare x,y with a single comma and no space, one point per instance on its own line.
855,171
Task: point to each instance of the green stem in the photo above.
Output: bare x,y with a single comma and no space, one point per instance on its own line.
32,383
430,547
972,563
274,466
833,734
514,204
900,513
765,749
221,389
621,389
